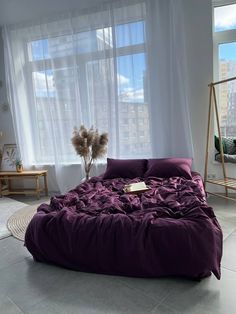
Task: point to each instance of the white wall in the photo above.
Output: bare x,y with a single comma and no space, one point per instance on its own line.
199,53
15,11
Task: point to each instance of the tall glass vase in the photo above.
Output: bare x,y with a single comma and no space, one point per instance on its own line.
87,175
85,171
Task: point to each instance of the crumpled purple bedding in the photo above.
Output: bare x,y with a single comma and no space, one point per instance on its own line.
167,231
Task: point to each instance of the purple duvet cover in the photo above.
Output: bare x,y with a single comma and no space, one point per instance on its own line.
167,231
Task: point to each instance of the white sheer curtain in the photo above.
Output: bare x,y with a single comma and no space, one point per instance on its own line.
120,67
169,95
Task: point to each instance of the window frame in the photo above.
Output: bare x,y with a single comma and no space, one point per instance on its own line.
219,38
82,59
222,37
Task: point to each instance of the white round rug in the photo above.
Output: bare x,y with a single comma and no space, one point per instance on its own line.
8,207
19,221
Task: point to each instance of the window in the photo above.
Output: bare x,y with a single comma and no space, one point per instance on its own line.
225,17
72,78
224,38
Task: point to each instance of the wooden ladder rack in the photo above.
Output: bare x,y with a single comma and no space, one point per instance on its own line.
226,182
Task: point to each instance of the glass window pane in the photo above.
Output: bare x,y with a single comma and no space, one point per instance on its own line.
133,108
227,91
129,34
133,122
38,50
101,93
55,111
84,42
44,84
131,77
68,45
225,18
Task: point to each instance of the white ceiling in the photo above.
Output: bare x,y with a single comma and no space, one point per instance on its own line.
16,11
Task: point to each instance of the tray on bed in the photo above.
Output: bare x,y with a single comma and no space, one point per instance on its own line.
137,187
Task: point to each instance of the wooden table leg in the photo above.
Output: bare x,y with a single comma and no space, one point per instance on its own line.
45,184
37,187
0,187
9,184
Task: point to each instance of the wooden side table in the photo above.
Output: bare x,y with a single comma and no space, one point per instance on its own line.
13,175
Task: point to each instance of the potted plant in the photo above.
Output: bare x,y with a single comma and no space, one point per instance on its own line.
90,145
19,165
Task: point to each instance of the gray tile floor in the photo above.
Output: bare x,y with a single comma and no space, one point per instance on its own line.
30,287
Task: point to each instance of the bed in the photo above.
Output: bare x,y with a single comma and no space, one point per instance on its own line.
168,230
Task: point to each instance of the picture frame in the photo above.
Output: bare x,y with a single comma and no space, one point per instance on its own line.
9,156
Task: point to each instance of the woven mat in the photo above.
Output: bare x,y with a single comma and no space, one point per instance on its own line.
8,207
19,221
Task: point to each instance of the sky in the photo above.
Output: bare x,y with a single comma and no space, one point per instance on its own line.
225,17
133,66
227,51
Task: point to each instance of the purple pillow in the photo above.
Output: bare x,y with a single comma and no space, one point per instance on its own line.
169,167
125,168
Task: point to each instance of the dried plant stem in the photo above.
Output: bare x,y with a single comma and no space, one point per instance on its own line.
87,166
90,145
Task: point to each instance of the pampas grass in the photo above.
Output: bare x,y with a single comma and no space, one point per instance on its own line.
90,145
